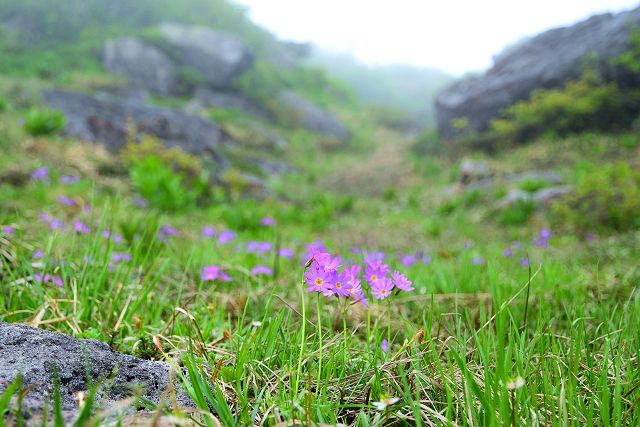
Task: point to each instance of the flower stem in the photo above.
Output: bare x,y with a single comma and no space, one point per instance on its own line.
320,339
302,341
388,321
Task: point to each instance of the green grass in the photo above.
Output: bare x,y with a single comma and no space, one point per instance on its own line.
263,351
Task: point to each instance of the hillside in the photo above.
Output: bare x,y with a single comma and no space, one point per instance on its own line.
200,225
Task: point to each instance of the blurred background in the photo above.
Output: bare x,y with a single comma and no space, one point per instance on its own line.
501,113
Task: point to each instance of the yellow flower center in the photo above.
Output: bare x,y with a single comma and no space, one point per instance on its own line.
338,285
383,292
374,278
319,282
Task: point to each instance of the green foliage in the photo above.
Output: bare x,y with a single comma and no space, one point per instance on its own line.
585,104
169,179
606,198
163,187
517,213
54,36
264,80
390,117
4,104
531,185
40,122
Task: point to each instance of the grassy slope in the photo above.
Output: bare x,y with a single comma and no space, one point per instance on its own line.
455,341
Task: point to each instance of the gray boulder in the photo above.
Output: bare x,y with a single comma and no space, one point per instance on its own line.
106,121
219,57
313,117
548,60
545,196
143,64
35,354
474,171
205,98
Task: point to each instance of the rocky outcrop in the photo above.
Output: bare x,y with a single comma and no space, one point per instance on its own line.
546,61
144,65
205,98
108,121
313,117
36,354
219,57
185,58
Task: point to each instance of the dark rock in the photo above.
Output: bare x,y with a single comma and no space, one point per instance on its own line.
219,57
35,353
313,117
253,135
548,60
208,98
106,121
124,93
143,64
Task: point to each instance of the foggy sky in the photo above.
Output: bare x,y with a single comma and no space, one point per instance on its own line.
453,35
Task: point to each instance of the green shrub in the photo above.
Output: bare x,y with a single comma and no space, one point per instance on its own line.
163,187
4,105
44,122
585,104
531,185
605,198
517,213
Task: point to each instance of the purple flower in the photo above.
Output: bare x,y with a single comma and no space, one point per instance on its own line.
140,202
384,345
48,279
477,260
261,270
66,201
56,224
286,253
212,273
259,247
590,237
120,257
208,232
38,254
408,260
426,260
360,298
226,237
116,239
468,244
524,262
382,288
40,175
267,222
543,239
375,271
507,253
318,279
8,230
81,228
374,258
166,231
340,285
69,179
401,282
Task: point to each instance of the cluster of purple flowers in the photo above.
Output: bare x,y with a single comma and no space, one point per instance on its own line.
212,273
410,260
324,274
542,241
48,279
